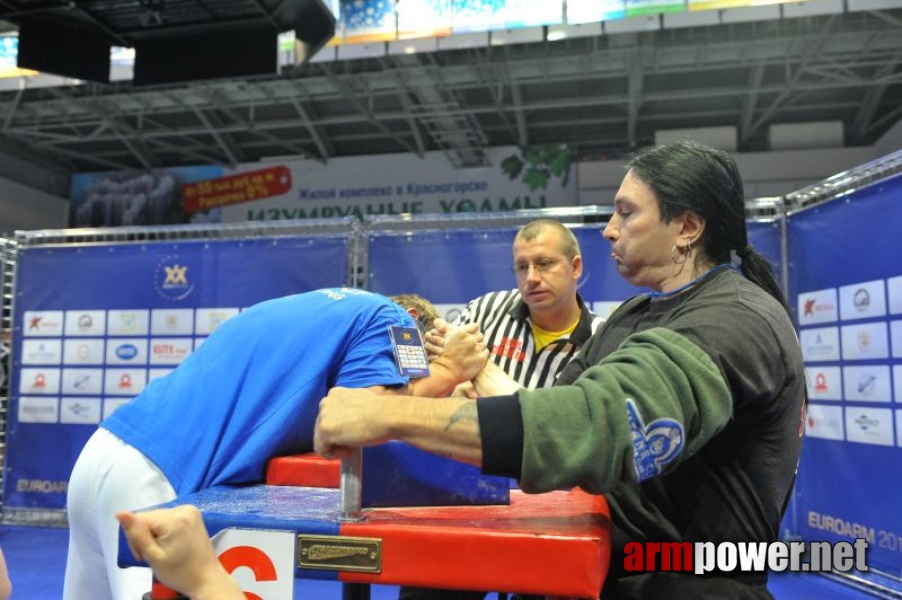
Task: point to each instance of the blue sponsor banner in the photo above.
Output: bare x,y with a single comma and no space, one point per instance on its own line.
845,276
766,238
95,323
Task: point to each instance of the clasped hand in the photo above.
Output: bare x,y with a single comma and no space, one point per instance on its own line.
461,348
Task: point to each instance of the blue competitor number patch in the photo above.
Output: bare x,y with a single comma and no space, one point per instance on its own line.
656,444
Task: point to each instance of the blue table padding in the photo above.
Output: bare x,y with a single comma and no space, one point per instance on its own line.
281,508
397,475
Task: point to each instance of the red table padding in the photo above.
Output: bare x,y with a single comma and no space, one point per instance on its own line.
554,544
307,470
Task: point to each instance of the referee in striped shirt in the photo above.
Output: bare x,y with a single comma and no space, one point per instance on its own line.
531,332
534,331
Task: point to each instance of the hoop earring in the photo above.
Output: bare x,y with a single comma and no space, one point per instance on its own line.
688,248
673,256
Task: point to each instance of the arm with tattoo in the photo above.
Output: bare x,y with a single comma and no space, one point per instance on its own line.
352,418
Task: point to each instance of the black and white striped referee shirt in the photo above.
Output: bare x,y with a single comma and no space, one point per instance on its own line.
503,318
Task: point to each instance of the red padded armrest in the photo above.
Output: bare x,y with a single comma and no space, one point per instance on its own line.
309,470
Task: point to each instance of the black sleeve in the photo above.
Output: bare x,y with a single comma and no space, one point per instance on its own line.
501,430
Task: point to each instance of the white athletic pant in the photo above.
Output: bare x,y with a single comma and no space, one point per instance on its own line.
108,476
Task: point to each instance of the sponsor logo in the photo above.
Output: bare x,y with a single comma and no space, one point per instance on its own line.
172,278
44,323
81,382
824,422
128,323
40,352
78,409
867,382
863,338
869,426
809,307
656,445
863,300
125,382
509,348
820,344
865,422
85,322
817,307
127,351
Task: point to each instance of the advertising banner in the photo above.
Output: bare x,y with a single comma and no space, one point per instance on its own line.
540,177
845,274
95,323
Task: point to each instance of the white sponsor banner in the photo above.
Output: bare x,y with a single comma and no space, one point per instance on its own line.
43,323
261,561
894,290
400,183
869,425
85,322
80,411
825,422
897,384
817,307
820,344
82,381
128,322
38,410
172,321
42,352
867,383
208,319
124,382
895,329
865,341
126,351
862,300
39,381
83,352
824,383
899,427
169,351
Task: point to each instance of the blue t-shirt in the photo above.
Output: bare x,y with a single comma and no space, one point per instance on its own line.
251,391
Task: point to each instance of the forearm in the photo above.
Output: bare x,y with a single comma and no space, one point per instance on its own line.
448,427
441,381
356,418
493,381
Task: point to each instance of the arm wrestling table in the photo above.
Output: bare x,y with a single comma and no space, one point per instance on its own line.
556,544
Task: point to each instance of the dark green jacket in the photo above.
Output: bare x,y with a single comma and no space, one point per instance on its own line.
684,409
